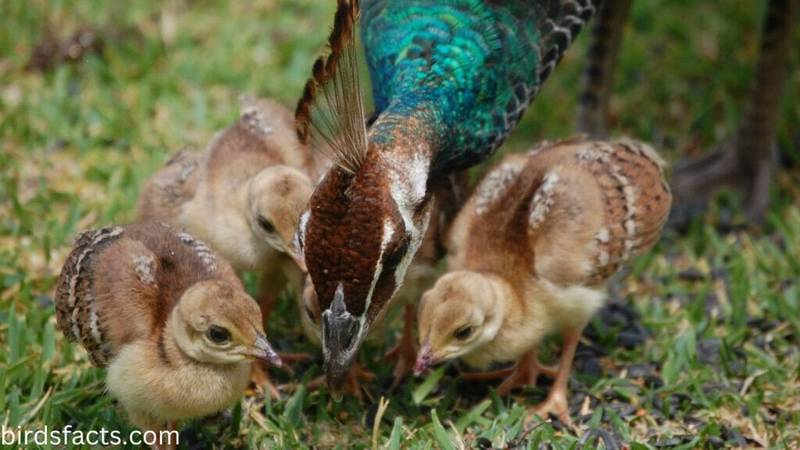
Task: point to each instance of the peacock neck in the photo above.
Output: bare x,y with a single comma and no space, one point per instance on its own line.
406,131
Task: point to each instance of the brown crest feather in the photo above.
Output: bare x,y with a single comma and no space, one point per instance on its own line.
330,114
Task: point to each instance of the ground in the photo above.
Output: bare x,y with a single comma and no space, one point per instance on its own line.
697,348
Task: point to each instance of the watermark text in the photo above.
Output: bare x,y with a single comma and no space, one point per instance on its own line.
70,436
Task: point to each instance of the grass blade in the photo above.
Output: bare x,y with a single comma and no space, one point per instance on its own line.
423,390
397,434
440,434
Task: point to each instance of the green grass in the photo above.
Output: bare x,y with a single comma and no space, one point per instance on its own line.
722,310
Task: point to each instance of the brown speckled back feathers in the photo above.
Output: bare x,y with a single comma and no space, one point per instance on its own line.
172,186
583,207
120,283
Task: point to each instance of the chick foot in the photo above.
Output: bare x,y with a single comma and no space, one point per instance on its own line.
146,422
556,401
170,426
404,353
357,376
261,379
525,373
556,404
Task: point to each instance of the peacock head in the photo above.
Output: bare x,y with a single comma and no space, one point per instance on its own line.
366,218
358,236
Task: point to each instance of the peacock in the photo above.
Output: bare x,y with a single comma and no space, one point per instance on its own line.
450,79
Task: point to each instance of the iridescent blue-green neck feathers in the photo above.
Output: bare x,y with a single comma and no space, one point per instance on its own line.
471,66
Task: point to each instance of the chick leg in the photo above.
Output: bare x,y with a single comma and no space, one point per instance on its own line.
259,376
556,401
271,283
523,373
404,353
171,426
146,422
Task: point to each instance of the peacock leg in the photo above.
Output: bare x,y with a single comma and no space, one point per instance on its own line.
598,76
747,161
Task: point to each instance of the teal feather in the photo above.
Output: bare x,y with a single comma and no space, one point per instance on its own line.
472,66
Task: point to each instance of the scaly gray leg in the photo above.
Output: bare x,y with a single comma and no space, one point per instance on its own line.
601,58
746,162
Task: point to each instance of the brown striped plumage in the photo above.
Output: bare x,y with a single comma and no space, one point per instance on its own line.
595,203
141,299
255,167
330,113
243,195
116,274
172,186
531,249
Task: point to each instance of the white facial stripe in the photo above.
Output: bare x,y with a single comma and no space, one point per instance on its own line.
301,227
413,246
409,178
388,232
408,186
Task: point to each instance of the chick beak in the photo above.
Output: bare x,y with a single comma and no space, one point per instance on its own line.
298,259
263,350
424,359
295,251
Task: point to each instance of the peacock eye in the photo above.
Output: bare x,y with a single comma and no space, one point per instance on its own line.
218,335
265,224
463,333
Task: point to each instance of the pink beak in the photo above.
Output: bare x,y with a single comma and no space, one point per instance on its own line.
299,260
296,253
424,359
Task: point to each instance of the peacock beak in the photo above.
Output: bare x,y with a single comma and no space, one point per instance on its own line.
341,339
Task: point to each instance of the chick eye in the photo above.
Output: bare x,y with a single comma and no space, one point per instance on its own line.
265,224
463,332
218,335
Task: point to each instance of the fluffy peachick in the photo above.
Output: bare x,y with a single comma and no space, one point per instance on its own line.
450,79
169,320
531,251
243,195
